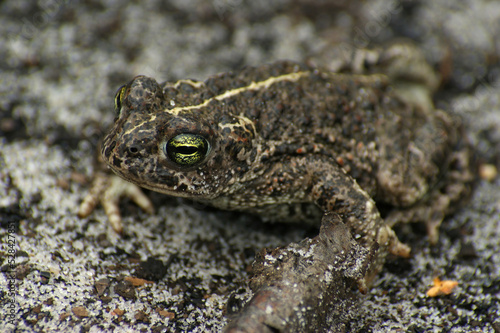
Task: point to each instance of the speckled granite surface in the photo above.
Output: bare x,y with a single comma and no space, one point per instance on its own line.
61,64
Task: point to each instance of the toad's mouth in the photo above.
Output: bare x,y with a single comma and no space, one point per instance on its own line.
170,182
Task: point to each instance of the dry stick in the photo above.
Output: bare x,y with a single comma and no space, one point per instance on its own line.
306,287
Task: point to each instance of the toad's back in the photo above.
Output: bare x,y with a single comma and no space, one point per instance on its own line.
290,109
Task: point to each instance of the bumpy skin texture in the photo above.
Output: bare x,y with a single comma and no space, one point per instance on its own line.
290,142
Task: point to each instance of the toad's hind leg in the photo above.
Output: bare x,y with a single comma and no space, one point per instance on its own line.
444,198
430,174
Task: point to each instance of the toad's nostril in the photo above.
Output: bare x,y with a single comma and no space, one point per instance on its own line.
134,149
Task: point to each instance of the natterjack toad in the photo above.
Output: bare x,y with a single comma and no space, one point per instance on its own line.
290,142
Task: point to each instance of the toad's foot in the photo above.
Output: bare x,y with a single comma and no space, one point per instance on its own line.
388,237
108,189
309,286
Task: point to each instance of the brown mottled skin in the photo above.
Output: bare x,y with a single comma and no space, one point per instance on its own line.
292,146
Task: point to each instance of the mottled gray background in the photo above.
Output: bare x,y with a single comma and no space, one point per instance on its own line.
60,65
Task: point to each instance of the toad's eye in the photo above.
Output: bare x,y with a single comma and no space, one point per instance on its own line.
187,149
120,93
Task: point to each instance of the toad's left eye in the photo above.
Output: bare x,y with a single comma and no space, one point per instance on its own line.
187,149
120,93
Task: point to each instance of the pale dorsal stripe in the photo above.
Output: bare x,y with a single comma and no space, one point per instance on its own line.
252,86
192,83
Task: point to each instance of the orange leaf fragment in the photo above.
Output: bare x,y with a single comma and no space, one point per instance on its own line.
441,287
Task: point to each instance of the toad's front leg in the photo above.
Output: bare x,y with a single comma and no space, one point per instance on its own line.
335,191
314,178
107,189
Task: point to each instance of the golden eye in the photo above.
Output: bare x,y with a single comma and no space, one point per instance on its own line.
119,98
187,149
